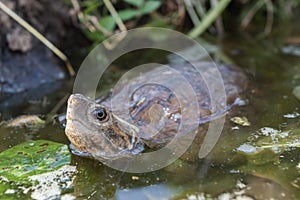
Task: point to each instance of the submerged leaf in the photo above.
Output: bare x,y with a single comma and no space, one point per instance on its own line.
33,157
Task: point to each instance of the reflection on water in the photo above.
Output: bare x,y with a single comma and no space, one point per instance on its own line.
160,191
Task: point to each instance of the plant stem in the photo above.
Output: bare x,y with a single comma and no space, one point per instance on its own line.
191,12
121,25
115,15
211,16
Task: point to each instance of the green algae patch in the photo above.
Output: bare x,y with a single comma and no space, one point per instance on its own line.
32,158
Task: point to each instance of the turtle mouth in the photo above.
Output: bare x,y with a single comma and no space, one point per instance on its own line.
137,149
107,148
98,142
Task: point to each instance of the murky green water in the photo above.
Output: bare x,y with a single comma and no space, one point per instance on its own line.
273,76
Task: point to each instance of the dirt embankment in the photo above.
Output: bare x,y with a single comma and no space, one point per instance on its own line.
25,63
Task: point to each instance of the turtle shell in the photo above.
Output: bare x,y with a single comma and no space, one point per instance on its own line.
164,99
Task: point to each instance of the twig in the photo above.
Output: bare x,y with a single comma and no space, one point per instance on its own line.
219,21
39,36
200,8
53,112
191,12
96,24
115,15
181,13
270,12
121,25
247,19
211,16
90,22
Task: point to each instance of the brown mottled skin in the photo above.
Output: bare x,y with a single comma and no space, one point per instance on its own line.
121,133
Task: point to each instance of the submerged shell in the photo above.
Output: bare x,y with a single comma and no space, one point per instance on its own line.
155,101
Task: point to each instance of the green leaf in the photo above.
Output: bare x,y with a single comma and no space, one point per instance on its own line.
108,23
94,36
159,22
150,6
88,3
33,157
91,8
137,3
128,14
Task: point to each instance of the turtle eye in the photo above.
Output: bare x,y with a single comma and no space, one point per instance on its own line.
100,114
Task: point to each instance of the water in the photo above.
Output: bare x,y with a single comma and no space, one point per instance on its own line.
273,72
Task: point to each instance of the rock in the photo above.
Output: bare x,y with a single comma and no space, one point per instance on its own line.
19,40
25,62
23,71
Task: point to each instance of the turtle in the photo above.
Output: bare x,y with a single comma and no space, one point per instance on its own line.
145,112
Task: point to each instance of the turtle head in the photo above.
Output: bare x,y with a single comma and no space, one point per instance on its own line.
93,128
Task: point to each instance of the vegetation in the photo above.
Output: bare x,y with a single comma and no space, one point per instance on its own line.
33,157
101,19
